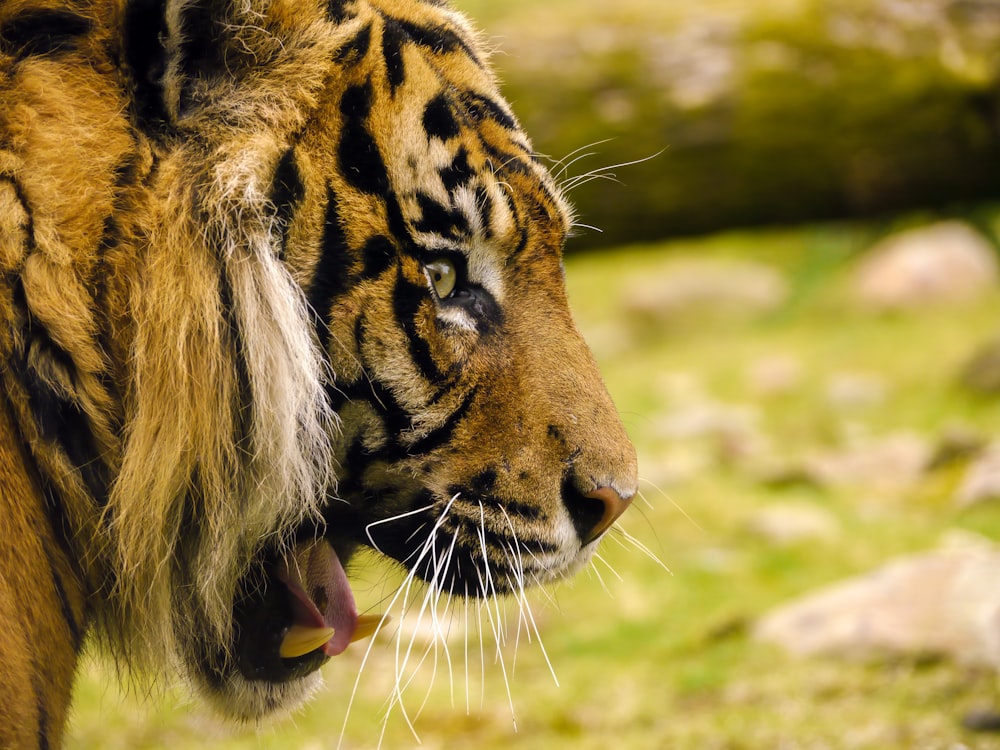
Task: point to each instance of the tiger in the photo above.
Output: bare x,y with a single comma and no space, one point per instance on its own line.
280,281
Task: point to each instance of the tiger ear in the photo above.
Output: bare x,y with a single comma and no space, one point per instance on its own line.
190,58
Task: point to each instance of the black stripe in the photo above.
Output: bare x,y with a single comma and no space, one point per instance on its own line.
439,118
287,191
506,161
144,29
397,224
523,239
438,39
358,155
479,108
458,173
522,510
392,52
395,418
438,437
29,222
202,32
41,706
75,631
44,31
58,416
440,220
356,460
407,298
485,205
333,275
336,10
243,436
355,50
482,484
127,171
378,255
58,521
539,546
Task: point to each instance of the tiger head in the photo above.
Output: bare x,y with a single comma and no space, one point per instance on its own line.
478,446
337,319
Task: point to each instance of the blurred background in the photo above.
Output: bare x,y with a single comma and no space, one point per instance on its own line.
786,264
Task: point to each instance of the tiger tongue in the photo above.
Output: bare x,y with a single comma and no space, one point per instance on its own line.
321,598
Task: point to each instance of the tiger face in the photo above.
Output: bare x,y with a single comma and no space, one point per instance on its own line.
478,446
322,300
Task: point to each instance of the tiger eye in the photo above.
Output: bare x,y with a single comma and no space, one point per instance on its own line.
443,276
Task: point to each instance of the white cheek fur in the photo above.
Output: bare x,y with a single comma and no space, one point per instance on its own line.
456,317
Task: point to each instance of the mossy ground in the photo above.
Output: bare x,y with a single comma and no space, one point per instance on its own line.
666,660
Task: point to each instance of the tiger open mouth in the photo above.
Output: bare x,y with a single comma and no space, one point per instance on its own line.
302,615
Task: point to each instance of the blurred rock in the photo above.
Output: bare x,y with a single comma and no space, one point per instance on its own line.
708,419
890,462
855,390
675,465
982,373
775,375
941,603
707,290
789,523
982,479
958,443
726,433
948,262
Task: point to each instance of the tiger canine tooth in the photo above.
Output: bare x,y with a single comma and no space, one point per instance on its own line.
367,625
300,640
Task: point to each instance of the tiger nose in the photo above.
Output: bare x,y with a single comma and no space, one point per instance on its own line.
595,512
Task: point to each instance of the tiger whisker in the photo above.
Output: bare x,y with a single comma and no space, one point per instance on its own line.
621,536
482,656
583,179
465,651
495,623
605,172
524,606
564,169
538,635
439,632
396,697
609,566
403,590
592,569
562,163
513,552
397,517
591,227
669,499
401,685
414,534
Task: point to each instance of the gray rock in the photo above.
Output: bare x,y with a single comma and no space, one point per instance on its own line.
889,462
707,289
942,603
774,375
855,390
791,522
982,479
942,263
981,373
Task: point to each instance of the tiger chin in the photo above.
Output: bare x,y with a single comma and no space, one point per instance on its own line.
279,280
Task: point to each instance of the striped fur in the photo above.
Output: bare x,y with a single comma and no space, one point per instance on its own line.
221,332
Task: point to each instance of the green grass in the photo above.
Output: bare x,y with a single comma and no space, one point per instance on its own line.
664,660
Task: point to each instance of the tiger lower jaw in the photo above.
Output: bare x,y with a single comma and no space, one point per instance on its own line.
296,613
303,613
